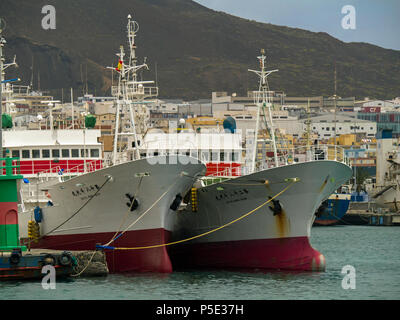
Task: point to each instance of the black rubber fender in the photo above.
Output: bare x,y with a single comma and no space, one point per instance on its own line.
65,259
49,259
15,258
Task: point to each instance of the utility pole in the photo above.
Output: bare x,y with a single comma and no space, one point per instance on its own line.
72,110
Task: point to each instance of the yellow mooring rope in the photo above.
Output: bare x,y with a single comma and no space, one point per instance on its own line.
292,180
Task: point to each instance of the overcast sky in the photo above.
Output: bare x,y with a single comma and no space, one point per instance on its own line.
376,21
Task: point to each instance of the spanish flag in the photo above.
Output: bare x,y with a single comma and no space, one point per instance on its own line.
118,68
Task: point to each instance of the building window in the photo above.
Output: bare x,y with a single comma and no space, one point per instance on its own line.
55,153
75,153
15,153
222,156
65,153
45,153
35,154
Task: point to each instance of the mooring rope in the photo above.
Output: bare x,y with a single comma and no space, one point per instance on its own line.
83,270
292,182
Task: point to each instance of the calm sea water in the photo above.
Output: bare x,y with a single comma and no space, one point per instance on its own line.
373,251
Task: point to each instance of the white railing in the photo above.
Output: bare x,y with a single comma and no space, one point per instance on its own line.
135,91
32,192
304,154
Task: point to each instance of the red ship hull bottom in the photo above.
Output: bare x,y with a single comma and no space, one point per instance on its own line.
119,261
295,254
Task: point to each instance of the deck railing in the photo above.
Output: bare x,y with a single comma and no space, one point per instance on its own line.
303,154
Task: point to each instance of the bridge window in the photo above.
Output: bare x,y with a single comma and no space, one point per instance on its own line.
65,153
35,154
45,153
94,153
193,153
15,154
55,153
84,154
205,156
75,153
235,156
26,154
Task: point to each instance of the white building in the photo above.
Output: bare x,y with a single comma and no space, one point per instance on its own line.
325,126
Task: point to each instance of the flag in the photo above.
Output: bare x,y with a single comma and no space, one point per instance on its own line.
118,68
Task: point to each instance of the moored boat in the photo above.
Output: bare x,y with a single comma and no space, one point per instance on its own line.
262,219
130,203
332,210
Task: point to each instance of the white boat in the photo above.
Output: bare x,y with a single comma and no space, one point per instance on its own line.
262,219
130,203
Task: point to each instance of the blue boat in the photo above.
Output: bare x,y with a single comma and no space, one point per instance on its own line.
333,209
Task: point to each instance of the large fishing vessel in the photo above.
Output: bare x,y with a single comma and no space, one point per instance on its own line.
262,219
130,203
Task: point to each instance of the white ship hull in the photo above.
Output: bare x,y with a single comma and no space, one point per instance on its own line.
108,212
261,240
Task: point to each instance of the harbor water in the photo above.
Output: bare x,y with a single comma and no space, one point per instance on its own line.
372,251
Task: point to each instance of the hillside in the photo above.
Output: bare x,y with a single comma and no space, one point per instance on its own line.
196,50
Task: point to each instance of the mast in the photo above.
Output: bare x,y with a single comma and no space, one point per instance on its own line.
72,110
308,130
263,99
335,106
2,41
3,67
131,92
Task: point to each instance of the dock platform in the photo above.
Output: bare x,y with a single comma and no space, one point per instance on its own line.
366,213
19,265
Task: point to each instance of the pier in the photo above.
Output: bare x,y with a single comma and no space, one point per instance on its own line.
16,260
366,213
